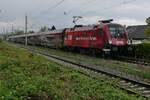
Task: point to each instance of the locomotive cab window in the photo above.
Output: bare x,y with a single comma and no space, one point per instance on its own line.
116,31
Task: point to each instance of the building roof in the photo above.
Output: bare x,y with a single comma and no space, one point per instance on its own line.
137,32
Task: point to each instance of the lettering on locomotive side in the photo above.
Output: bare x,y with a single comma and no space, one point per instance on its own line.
86,38
81,29
81,38
84,29
71,37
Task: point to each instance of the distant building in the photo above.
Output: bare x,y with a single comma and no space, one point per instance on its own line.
137,32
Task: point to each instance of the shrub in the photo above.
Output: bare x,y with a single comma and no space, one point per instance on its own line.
0,40
143,51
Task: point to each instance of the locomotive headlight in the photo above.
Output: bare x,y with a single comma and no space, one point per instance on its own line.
110,42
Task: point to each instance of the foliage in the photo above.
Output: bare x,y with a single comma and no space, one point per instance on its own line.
146,41
17,32
43,29
148,21
31,31
1,40
147,31
24,75
143,51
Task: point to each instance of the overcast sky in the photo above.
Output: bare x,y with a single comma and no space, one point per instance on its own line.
60,12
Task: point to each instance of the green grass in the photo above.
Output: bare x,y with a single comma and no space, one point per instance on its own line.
24,75
136,70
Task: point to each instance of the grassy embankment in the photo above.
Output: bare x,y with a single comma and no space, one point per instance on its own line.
24,75
133,69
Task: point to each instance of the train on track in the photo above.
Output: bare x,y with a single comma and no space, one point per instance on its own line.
104,37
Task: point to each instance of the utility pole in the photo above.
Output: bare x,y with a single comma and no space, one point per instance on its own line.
26,29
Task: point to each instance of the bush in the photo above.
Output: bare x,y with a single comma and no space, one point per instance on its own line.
143,51
0,40
147,31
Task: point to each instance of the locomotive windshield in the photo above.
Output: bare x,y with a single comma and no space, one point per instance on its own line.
117,31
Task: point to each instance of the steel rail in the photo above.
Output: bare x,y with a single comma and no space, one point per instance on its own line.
134,60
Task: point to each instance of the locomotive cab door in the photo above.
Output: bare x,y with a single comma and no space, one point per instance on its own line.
97,39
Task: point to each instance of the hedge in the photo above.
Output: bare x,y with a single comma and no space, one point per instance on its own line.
0,39
143,51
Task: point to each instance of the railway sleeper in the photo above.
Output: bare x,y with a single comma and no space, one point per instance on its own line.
147,91
134,86
140,88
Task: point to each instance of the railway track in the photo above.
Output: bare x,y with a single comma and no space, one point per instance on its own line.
126,82
134,60
130,60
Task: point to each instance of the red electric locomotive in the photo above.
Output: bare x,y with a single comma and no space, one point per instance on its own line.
105,37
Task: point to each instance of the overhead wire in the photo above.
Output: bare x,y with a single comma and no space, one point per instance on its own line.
59,3
124,2
66,13
120,4
84,3
47,10
89,2
110,7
